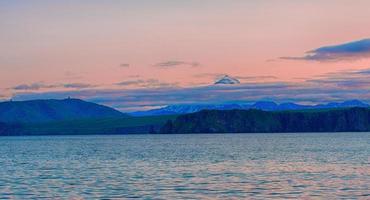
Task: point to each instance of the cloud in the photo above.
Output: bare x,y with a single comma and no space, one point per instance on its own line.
347,51
175,63
146,83
353,79
217,76
130,82
338,86
33,86
39,86
255,78
124,65
3,97
78,85
209,75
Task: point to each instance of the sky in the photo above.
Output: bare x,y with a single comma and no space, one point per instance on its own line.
137,55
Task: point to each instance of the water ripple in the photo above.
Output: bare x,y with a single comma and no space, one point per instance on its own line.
238,166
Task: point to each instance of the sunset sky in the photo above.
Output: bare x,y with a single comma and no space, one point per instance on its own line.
137,55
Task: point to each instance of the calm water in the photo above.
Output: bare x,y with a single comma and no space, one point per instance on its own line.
235,166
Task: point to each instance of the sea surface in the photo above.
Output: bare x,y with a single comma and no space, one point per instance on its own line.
194,166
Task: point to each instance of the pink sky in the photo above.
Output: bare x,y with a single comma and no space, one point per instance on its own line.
85,42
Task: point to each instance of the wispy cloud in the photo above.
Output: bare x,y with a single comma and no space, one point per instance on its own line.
347,51
146,83
175,63
255,78
353,79
78,85
33,86
40,86
2,97
124,65
130,82
217,76
209,75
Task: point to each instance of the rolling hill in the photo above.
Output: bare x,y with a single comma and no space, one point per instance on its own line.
40,111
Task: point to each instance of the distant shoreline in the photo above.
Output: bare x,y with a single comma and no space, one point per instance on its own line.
78,117
174,134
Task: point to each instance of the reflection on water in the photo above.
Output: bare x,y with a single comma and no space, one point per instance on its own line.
235,166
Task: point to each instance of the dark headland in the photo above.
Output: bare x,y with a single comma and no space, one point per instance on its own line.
258,121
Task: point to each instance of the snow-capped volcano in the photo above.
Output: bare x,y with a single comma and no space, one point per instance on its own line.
227,80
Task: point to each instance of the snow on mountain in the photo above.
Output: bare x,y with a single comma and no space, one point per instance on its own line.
228,80
261,105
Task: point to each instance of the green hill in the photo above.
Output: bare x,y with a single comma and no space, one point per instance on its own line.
36,111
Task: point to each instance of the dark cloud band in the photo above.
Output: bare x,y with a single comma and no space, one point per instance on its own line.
339,86
348,51
39,86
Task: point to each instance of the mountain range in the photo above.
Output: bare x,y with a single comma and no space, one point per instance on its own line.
260,105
